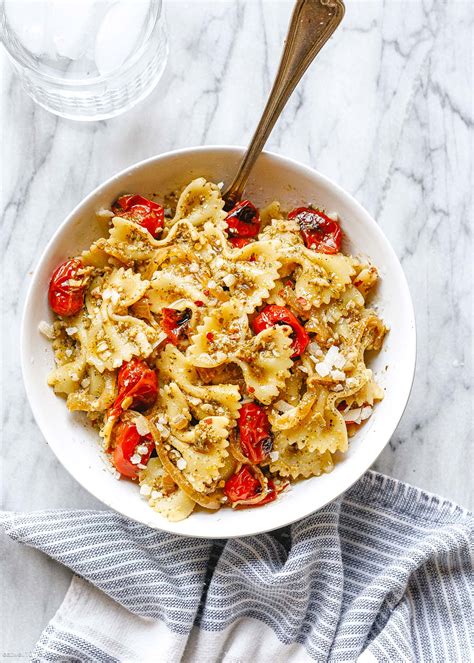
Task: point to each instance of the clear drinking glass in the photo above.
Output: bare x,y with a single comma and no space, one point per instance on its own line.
86,59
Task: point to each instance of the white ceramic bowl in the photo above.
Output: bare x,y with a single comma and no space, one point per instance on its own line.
274,178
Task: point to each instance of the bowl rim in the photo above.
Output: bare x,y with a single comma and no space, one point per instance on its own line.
282,161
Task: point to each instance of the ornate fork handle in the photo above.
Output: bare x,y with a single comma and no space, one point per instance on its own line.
312,23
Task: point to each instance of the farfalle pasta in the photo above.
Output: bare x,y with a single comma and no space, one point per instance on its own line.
220,355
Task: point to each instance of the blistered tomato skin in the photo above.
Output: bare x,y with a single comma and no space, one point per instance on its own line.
66,288
242,486
140,210
255,435
319,232
243,220
279,315
136,380
126,441
245,486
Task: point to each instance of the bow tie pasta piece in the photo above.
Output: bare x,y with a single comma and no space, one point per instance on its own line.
70,355
163,494
220,336
252,272
317,277
200,453
169,287
297,463
200,202
246,274
322,429
214,400
265,361
113,339
120,287
201,400
97,393
128,242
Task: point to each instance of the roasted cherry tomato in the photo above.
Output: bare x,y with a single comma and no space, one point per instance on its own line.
128,445
66,288
245,486
278,315
239,242
254,428
243,220
136,380
319,232
146,213
175,323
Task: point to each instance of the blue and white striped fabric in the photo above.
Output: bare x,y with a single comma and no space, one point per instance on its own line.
382,574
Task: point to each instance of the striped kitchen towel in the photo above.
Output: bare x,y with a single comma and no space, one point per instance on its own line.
383,574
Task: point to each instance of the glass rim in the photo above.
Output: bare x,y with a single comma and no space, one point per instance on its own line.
77,82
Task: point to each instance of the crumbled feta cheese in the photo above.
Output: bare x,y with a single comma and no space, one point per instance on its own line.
229,280
338,387
141,466
141,424
46,330
338,375
145,489
68,352
162,419
339,361
193,268
351,382
141,448
220,185
274,456
219,262
156,494
331,354
71,330
74,377
211,284
135,459
181,464
322,369
85,383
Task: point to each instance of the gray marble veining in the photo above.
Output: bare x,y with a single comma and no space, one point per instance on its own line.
386,111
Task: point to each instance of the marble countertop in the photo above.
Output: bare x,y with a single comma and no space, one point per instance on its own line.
386,112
